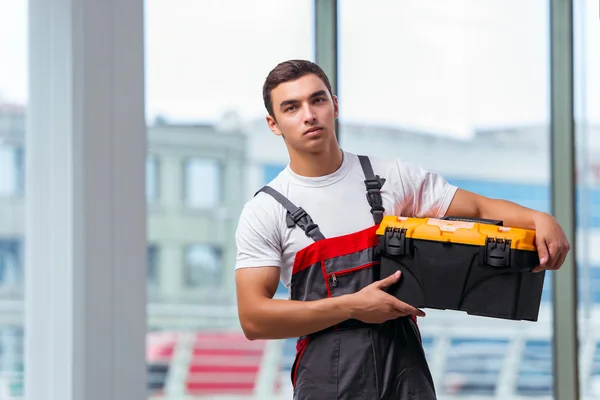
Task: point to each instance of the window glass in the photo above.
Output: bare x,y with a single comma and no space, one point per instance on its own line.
459,88
202,183
586,69
206,62
203,266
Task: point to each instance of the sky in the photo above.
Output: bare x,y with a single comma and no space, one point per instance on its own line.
447,67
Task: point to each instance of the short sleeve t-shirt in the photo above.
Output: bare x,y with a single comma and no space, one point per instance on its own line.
337,203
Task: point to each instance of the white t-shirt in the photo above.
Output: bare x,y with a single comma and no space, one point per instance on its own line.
337,203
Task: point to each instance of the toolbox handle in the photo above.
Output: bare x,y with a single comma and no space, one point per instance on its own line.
476,220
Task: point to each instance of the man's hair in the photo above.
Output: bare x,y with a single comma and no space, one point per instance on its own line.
288,71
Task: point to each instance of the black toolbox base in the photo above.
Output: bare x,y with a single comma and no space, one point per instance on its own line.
450,276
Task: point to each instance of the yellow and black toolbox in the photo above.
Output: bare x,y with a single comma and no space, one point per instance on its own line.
472,265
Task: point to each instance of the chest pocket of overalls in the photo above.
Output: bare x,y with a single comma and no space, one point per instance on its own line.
352,272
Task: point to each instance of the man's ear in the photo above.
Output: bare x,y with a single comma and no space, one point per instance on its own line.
336,108
273,125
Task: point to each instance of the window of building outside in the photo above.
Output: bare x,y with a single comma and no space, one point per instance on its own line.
203,183
152,179
203,266
153,266
208,133
11,171
11,263
13,108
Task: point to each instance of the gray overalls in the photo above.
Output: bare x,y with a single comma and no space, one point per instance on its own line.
352,360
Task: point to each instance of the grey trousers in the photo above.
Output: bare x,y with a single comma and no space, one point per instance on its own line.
377,362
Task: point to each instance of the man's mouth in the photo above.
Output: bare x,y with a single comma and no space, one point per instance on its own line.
313,130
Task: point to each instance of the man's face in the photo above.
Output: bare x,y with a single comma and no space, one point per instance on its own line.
305,113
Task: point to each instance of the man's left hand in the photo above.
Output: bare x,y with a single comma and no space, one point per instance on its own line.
551,242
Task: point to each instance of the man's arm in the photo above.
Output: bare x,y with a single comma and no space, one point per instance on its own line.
551,241
263,317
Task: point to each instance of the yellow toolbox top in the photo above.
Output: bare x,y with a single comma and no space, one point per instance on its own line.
459,232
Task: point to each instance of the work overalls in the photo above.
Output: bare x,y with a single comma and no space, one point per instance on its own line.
352,360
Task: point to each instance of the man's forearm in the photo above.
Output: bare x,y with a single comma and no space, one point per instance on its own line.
513,215
279,319
468,204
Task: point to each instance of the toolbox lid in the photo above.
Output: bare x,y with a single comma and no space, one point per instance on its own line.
460,232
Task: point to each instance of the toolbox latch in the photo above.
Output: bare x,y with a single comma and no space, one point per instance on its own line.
395,242
497,253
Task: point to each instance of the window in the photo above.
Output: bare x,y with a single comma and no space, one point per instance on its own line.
210,162
435,83
11,263
152,178
586,70
202,183
153,265
203,264
11,171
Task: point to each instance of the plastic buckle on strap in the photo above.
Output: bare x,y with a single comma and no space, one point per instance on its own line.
295,217
309,228
298,214
373,185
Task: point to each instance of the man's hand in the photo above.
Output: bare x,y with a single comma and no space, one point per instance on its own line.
374,306
551,242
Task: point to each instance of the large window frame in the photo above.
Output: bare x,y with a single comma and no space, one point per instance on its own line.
86,288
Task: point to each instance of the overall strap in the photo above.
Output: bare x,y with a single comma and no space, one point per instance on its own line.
295,215
373,183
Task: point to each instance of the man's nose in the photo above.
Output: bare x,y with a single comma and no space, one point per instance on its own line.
309,114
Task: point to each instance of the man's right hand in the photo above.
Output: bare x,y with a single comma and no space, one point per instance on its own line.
373,305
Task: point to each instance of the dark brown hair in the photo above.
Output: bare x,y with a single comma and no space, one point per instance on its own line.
288,71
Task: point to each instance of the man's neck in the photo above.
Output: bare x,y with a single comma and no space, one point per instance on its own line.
315,165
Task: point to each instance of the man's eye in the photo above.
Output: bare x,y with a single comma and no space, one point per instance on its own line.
290,109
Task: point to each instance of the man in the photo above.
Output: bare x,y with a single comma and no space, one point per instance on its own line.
313,229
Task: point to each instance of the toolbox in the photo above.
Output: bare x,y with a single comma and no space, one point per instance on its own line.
472,265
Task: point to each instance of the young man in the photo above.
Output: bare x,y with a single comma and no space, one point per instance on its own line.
313,228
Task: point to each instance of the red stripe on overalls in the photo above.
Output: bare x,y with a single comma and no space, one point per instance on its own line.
300,349
335,247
